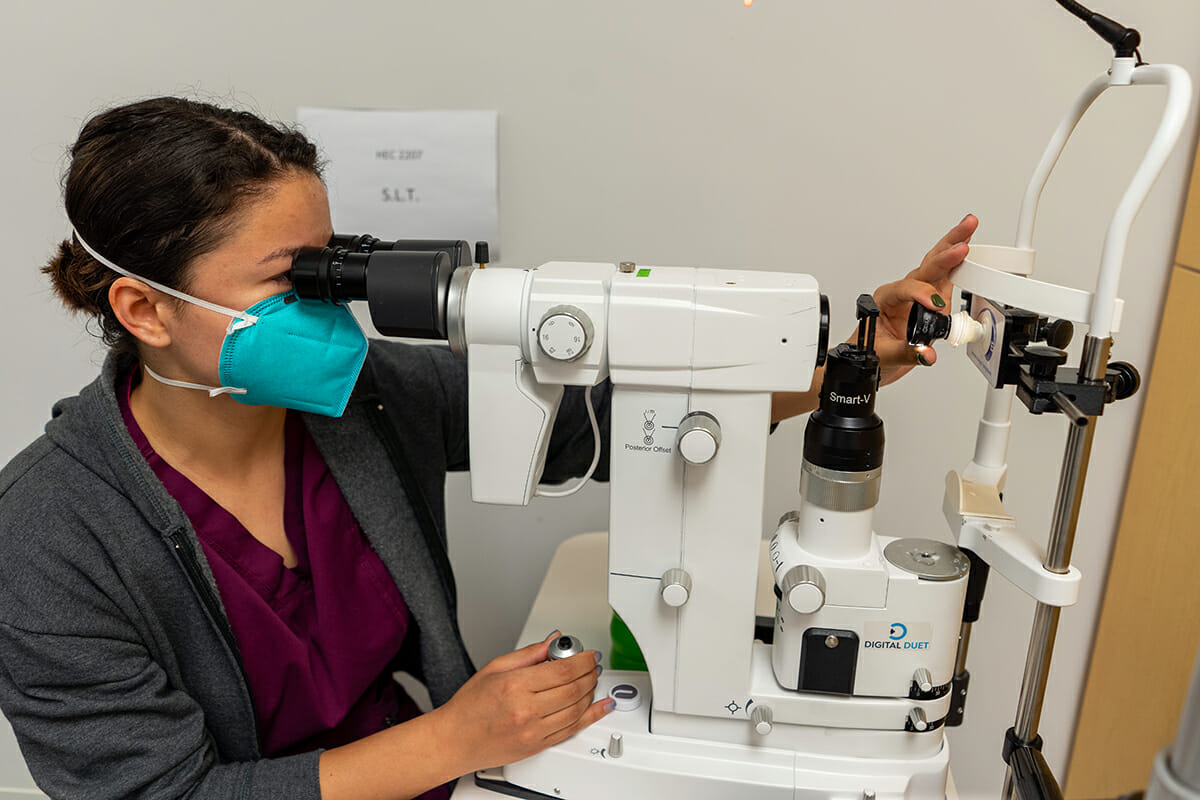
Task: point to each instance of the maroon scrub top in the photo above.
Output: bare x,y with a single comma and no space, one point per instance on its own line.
317,640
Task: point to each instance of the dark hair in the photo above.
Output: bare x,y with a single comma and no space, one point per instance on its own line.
153,185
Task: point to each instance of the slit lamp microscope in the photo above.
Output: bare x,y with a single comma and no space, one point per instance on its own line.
847,692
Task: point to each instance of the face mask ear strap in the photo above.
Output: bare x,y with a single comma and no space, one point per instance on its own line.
240,318
213,391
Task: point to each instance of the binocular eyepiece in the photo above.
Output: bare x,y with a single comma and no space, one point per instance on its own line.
405,283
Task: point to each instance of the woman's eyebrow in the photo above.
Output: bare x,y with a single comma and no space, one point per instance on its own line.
281,252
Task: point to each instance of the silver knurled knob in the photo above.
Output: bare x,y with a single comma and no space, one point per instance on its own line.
675,587
763,720
698,437
803,587
923,680
917,718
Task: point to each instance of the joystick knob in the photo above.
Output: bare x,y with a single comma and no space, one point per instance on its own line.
564,647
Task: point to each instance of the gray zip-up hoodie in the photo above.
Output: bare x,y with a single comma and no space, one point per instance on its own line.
117,667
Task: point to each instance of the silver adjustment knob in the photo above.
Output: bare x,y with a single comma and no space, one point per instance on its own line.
564,647
917,718
923,680
763,720
565,333
698,437
616,746
804,589
675,587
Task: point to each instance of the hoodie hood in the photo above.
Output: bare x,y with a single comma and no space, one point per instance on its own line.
90,429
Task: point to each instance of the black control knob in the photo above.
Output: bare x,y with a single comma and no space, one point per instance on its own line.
1044,360
481,253
1058,333
1127,380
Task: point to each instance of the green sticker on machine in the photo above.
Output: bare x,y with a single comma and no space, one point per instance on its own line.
643,273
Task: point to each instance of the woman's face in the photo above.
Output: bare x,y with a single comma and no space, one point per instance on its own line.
252,264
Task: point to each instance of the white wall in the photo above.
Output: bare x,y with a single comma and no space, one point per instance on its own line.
834,138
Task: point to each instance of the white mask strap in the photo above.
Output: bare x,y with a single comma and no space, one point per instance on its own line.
240,319
213,391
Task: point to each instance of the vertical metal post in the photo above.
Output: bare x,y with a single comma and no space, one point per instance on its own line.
1185,753
1067,502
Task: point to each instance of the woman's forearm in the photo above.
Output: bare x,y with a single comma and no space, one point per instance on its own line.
398,763
793,404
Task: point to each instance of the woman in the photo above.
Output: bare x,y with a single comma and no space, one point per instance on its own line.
204,593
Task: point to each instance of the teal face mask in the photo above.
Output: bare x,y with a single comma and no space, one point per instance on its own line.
282,351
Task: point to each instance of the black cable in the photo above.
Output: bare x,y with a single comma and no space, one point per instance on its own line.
1076,9
1124,40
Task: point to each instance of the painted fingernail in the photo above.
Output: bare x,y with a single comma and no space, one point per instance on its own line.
599,670
964,219
938,301
599,656
923,361
552,634
610,705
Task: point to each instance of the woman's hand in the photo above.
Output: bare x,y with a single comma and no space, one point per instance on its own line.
928,285
520,704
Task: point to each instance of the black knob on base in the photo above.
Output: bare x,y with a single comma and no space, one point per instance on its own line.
1127,382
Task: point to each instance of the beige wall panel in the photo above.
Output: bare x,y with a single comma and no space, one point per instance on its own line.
1189,233
1150,621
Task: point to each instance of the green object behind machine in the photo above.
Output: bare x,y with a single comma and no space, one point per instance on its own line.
625,653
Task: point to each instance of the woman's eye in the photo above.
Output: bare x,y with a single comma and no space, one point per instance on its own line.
283,277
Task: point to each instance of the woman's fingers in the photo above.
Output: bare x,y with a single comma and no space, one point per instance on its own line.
948,253
895,297
561,672
894,353
558,698
525,657
584,714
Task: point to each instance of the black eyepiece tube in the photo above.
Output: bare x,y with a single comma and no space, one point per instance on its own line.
458,250
332,274
355,243
406,290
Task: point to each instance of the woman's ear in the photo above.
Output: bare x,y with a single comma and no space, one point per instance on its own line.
141,310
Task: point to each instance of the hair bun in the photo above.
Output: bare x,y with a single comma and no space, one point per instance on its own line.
80,281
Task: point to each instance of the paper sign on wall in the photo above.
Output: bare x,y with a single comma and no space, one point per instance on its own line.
410,174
